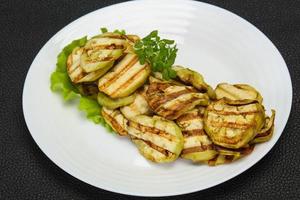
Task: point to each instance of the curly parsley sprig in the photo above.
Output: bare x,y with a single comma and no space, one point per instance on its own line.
159,53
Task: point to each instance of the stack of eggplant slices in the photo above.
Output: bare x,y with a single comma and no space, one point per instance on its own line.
167,111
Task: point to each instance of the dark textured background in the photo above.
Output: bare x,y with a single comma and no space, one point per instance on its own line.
26,173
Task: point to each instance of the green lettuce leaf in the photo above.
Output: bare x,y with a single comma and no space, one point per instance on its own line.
92,110
61,83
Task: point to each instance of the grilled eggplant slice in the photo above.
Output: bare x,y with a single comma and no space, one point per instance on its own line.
159,76
237,92
138,107
266,132
110,103
197,145
128,75
116,120
171,101
195,79
157,139
75,71
229,155
101,51
233,125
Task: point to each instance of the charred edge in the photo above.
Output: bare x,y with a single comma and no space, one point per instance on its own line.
242,126
151,130
89,89
115,125
190,116
228,159
242,151
197,149
264,134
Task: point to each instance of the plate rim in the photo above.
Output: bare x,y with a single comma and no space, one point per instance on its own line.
220,181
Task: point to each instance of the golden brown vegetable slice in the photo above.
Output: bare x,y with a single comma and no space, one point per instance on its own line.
197,145
171,101
195,79
110,103
127,76
233,126
237,92
157,139
130,40
75,71
226,155
138,107
266,132
116,120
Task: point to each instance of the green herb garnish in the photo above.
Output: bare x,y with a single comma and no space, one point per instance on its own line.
104,30
121,32
159,53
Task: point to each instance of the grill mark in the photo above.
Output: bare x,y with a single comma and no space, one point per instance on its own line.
70,63
234,125
230,94
184,104
157,148
174,112
197,149
157,101
221,112
195,132
128,82
70,72
151,130
80,76
115,125
264,134
120,73
190,116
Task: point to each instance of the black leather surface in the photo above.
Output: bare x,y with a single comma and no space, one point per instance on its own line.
26,173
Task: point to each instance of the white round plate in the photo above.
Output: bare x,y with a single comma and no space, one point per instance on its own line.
217,43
